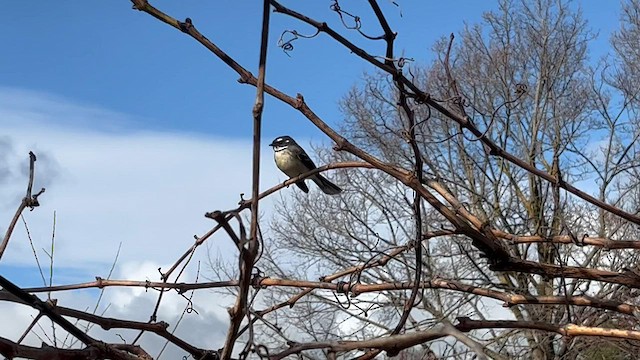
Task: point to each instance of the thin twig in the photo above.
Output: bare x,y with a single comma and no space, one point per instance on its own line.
35,254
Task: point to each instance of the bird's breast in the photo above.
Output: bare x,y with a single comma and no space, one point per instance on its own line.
288,163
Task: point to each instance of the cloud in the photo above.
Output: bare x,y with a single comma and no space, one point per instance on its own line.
148,190
34,110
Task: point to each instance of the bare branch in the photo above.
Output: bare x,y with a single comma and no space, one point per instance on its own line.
29,200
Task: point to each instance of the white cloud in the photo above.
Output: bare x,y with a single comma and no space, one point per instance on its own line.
148,190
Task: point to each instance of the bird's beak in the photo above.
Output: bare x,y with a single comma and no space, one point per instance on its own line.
272,144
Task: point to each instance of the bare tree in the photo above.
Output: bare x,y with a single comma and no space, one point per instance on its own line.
490,206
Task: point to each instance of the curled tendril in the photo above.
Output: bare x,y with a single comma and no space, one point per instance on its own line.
401,62
459,100
340,286
356,19
189,308
262,351
357,23
418,100
289,36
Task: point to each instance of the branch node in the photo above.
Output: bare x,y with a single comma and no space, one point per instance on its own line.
463,320
256,281
33,201
245,78
139,5
340,144
185,26
342,287
214,215
299,101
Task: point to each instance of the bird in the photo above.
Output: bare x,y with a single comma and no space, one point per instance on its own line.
292,160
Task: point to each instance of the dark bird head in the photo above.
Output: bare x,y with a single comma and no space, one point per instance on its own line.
282,141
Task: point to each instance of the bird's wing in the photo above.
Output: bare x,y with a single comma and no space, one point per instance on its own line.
306,160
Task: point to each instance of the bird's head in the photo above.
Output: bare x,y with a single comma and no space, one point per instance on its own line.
281,142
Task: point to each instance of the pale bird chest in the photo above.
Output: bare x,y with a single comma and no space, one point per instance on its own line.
289,163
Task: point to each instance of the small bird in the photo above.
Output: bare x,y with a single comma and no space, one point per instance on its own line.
292,160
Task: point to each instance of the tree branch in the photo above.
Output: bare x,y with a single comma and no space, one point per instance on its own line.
29,200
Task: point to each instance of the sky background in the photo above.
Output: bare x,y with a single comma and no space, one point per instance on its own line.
140,130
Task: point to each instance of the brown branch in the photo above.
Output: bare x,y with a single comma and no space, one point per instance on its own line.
159,328
560,239
248,256
31,325
355,289
392,344
466,324
623,308
28,201
102,283
222,219
339,165
605,243
49,310
389,35
554,271
13,350
508,299
199,241
45,308
395,343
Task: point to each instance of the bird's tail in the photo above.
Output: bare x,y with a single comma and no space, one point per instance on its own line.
325,185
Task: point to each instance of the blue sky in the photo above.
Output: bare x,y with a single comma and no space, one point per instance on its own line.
114,57
109,55
140,130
